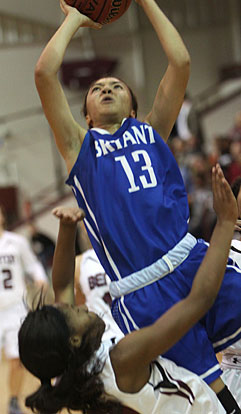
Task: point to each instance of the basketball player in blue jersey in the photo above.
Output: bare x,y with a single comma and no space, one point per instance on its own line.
69,341
130,187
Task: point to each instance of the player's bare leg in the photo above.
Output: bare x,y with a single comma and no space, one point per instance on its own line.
16,374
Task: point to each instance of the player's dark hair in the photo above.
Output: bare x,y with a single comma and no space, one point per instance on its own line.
236,186
45,351
133,97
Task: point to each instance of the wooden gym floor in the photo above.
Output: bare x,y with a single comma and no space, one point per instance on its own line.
29,385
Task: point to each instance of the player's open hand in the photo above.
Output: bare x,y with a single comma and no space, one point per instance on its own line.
224,202
69,215
84,21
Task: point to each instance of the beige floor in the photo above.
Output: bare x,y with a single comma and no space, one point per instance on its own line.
29,384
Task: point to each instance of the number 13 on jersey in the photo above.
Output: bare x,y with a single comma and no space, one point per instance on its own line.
147,180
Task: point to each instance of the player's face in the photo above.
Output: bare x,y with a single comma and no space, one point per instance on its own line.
108,100
79,319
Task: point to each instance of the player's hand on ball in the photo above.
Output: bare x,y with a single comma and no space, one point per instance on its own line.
66,9
84,21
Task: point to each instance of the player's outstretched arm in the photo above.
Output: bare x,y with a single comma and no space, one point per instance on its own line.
68,133
171,91
138,349
79,295
64,255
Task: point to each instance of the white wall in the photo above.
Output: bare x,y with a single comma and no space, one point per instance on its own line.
220,121
46,11
46,222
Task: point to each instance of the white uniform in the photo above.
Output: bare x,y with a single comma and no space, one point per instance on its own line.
170,389
231,357
16,262
94,283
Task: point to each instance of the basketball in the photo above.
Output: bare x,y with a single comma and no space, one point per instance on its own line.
101,11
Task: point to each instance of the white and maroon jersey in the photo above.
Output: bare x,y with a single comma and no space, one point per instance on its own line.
16,262
232,355
170,389
235,252
94,283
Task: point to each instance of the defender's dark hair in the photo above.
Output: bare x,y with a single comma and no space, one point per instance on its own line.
133,97
45,351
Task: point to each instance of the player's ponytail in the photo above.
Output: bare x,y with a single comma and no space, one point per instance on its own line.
45,350
36,401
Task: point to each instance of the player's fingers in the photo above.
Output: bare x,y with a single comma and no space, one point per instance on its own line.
222,181
226,190
55,211
73,216
217,182
223,185
62,5
97,26
79,217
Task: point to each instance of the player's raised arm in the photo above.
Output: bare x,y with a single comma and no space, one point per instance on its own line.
171,91
68,133
80,298
147,343
64,255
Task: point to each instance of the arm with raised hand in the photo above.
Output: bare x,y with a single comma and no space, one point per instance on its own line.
139,348
68,133
64,255
171,90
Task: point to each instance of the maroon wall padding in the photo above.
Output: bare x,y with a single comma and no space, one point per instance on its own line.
9,200
78,74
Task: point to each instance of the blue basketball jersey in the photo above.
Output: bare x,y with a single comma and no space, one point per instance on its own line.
131,189
132,192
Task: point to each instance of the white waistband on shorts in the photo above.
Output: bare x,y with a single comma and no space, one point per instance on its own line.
231,361
162,267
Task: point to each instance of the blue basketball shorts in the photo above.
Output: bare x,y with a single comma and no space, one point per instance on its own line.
218,329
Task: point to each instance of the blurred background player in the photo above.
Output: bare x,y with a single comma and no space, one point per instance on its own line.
17,262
